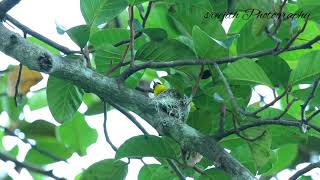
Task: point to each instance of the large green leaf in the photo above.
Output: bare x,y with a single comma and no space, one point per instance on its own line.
107,57
166,50
51,145
96,12
207,47
307,67
148,146
64,99
311,7
76,134
79,34
250,42
106,169
276,69
137,2
38,128
246,70
155,172
261,5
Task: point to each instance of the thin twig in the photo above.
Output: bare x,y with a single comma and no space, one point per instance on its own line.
137,35
287,108
16,93
278,24
129,116
29,167
224,60
305,170
310,97
271,103
222,118
121,63
105,127
196,85
131,43
176,169
6,5
313,115
33,146
29,31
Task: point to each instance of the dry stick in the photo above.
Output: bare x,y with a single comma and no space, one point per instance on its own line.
305,170
33,146
311,96
16,93
105,127
29,31
225,60
131,43
6,5
29,167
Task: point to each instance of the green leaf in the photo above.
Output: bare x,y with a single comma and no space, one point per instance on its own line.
106,169
76,134
212,174
137,2
307,67
312,7
107,57
64,99
38,128
206,46
96,12
260,148
38,100
248,71
148,146
166,50
155,172
249,42
156,34
285,156
79,35
276,69
262,5
43,44
303,94
48,144
202,120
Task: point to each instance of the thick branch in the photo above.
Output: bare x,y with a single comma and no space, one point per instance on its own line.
6,5
109,89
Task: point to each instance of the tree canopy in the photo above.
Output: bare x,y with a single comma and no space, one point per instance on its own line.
121,50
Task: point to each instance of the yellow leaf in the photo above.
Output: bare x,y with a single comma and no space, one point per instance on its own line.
28,79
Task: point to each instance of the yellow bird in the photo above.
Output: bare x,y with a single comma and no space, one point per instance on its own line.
158,88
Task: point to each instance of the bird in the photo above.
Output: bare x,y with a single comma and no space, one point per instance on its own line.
158,88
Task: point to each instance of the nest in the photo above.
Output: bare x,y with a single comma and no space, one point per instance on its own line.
173,104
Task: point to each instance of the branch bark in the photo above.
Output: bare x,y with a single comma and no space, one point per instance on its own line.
39,59
6,5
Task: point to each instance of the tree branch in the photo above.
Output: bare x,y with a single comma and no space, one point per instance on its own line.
190,62
110,90
29,31
305,170
6,5
5,157
311,96
105,127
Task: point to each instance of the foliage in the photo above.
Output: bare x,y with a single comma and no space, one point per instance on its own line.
177,30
